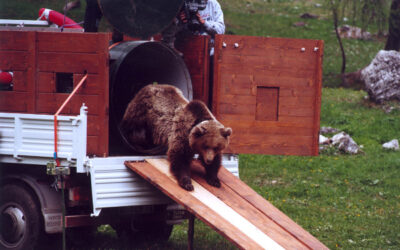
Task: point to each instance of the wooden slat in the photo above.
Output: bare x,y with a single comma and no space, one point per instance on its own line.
50,102
301,121
20,81
14,60
72,42
264,70
11,101
205,206
248,45
92,86
247,210
318,95
70,62
234,210
269,210
11,40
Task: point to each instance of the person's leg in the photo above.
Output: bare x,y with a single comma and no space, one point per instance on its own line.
93,16
116,36
169,36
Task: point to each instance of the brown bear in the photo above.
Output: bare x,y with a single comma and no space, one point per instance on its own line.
160,116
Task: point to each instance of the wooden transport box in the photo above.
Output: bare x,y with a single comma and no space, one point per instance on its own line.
45,63
267,89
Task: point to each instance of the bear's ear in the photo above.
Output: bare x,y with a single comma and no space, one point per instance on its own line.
225,132
199,131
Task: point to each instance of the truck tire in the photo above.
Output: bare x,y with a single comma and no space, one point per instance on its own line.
20,221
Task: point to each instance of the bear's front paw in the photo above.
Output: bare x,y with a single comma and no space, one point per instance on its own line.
186,183
214,181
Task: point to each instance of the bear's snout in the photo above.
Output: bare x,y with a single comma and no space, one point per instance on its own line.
209,156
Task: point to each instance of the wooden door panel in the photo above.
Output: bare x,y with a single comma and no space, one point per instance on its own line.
269,91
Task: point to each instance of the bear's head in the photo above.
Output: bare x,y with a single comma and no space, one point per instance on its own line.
208,139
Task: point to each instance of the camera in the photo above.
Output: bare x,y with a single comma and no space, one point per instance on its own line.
191,7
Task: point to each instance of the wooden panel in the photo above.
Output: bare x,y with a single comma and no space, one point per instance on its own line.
14,60
239,187
70,62
205,206
267,104
273,81
196,57
36,58
17,54
46,82
20,81
12,40
240,204
92,86
50,102
233,210
72,42
11,101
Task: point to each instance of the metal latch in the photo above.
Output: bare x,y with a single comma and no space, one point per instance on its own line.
52,169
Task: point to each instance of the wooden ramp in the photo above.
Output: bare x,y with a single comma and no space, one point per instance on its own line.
235,210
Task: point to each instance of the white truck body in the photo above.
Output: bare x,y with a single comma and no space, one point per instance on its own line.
29,139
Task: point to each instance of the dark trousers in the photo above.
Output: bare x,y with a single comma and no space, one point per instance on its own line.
92,20
93,16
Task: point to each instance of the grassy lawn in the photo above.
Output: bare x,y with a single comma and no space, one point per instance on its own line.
346,201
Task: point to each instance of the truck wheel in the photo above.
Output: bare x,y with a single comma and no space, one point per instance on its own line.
20,221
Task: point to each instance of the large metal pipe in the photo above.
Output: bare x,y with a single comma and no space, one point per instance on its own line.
133,65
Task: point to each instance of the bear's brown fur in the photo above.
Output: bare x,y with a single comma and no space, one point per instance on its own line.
159,116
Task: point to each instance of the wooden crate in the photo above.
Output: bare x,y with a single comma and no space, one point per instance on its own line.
269,91
38,59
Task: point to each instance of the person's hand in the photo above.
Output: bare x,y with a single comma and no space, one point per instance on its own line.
183,17
201,20
72,5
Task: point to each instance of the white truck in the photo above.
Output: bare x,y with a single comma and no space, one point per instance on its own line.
97,190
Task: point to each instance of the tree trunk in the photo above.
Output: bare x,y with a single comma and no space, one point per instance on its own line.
393,41
335,23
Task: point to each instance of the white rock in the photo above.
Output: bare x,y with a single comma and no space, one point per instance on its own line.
393,144
324,140
328,130
382,76
345,143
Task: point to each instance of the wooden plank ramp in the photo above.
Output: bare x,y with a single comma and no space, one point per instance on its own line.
234,210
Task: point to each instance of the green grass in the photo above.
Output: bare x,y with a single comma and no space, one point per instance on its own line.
346,201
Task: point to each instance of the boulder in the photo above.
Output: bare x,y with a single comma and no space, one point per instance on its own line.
347,31
393,144
345,143
382,76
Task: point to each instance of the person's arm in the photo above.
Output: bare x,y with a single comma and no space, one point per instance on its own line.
216,23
